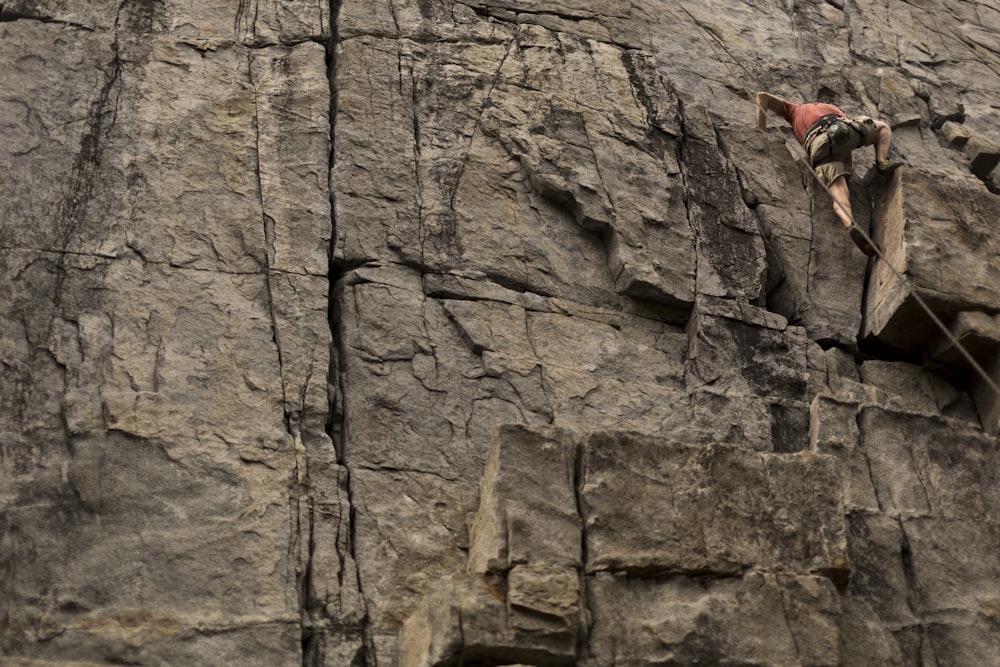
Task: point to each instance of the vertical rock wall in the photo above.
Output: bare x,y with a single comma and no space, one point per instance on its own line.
166,339
428,332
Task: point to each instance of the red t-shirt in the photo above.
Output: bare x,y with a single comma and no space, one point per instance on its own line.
802,116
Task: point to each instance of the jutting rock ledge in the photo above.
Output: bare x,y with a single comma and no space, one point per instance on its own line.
492,332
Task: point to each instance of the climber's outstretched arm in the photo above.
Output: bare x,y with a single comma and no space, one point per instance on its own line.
767,102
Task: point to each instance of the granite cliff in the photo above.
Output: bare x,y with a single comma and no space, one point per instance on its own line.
492,332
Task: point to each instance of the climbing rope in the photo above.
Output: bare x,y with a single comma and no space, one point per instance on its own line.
801,157
909,286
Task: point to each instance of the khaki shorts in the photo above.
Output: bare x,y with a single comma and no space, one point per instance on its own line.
865,134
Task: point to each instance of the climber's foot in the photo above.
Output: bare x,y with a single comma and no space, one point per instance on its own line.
886,167
866,246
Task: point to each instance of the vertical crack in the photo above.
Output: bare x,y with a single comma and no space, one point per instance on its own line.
267,223
246,22
315,635
863,447
301,517
422,231
482,109
72,209
680,156
578,474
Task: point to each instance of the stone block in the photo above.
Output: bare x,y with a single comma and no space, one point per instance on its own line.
926,466
651,506
966,637
757,619
738,349
409,533
720,418
833,430
730,249
910,388
978,334
833,372
433,633
864,637
466,621
879,558
947,254
544,601
527,507
953,566
984,155
955,133
836,269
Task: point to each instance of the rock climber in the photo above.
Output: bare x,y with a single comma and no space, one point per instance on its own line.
829,136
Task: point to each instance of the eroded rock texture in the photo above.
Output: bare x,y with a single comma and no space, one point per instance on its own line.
439,332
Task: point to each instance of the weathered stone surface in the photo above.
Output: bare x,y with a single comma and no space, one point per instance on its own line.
545,601
205,24
274,272
172,372
978,334
712,510
544,172
573,149
909,388
755,619
466,620
730,252
88,14
925,557
747,374
834,431
527,503
120,504
939,247
950,479
880,562
44,168
738,349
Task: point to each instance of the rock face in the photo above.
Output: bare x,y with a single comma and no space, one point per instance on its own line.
440,332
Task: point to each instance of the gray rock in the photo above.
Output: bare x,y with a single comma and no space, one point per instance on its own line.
755,619
466,620
742,517
527,504
275,274
924,235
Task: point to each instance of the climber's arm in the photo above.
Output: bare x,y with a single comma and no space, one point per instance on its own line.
767,102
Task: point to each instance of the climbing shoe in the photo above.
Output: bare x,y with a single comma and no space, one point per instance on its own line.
886,167
866,246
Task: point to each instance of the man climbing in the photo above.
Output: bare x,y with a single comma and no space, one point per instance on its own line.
829,136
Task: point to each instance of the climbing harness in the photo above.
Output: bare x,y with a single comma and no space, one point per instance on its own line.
839,131
835,127
877,251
